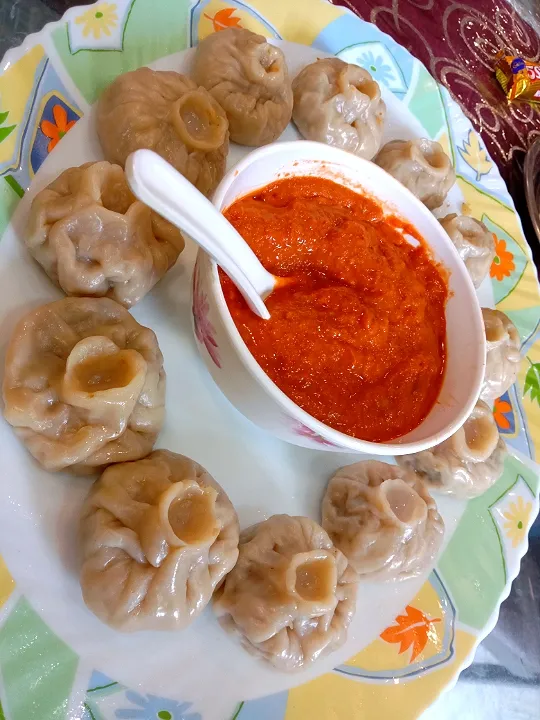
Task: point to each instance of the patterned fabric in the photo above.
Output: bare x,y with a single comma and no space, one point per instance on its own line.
456,41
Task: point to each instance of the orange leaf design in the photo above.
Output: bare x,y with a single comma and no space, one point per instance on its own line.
500,409
503,262
56,131
224,19
411,629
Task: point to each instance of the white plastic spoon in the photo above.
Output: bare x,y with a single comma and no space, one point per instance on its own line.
157,184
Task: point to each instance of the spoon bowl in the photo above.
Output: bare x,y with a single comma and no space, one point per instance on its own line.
157,184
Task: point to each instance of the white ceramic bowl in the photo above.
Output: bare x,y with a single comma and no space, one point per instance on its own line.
243,381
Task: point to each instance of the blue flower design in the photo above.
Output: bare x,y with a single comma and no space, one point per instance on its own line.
152,707
375,64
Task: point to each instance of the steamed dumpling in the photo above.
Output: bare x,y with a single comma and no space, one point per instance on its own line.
474,243
165,112
340,105
466,464
502,358
93,238
157,536
291,595
421,166
382,519
249,79
84,385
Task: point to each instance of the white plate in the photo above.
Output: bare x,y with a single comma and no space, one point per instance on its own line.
263,476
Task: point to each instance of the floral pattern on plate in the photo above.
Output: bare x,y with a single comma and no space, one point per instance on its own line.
92,45
204,330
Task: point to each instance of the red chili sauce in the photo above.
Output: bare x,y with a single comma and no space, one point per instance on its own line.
357,330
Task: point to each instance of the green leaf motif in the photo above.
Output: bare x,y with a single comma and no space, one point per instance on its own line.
236,712
5,131
2,716
17,189
88,710
532,382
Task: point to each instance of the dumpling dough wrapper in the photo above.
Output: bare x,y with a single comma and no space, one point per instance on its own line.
157,536
291,595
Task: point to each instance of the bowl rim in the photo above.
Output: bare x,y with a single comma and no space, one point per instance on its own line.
341,441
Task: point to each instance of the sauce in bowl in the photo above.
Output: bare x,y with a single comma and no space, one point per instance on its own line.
357,330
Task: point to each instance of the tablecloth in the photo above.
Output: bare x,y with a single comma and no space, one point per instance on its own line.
456,41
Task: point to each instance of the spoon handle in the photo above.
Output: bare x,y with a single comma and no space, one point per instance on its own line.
157,184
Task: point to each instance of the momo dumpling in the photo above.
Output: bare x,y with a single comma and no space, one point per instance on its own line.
157,536
383,520
165,112
291,595
474,243
94,239
340,105
84,385
249,79
502,354
421,166
466,464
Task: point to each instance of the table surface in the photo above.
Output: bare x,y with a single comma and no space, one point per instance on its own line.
456,42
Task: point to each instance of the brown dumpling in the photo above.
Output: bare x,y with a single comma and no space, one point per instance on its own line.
165,112
474,243
157,536
340,105
466,464
421,166
93,238
502,358
383,520
84,385
249,78
291,596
